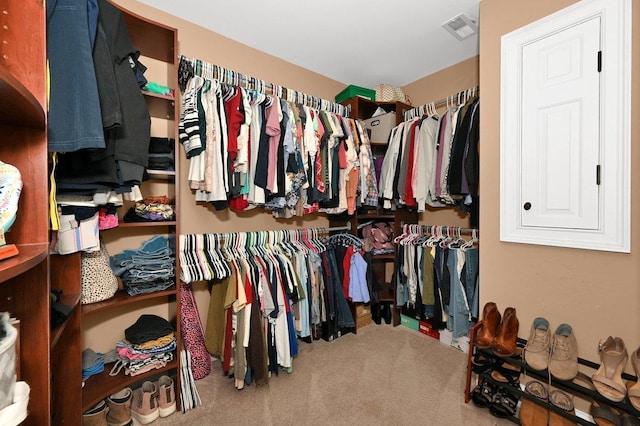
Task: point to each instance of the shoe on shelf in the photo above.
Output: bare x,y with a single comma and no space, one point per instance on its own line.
536,351
96,416
119,405
487,332
532,413
563,361
506,339
633,388
506,373
563,401
604,415
608,379
144,404
166,396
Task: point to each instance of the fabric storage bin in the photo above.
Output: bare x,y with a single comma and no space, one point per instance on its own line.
16,412
350,91
380,127
7,362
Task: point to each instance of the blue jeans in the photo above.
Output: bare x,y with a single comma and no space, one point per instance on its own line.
458,321
75,120
153,251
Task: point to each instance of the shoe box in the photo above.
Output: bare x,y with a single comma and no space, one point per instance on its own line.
363,315
425,327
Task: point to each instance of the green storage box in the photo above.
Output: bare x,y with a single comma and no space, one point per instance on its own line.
350,91
409,322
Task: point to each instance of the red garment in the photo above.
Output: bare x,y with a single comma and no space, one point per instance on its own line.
346,265
409,199
235,118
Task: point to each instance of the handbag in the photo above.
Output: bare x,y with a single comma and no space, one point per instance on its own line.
98,281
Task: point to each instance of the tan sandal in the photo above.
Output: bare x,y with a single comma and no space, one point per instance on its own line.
608,378
633,388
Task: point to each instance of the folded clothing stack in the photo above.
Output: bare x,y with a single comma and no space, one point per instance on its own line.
161,155
149,344
151,209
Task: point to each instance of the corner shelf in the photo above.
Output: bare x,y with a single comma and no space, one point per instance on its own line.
99,385
122,298
19,107
30,256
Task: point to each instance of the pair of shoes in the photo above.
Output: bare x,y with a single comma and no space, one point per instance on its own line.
604,415
96,416
499,332
608,378
381,311
499,401
534,413
153,400
557,352
114,411
633,388
376,313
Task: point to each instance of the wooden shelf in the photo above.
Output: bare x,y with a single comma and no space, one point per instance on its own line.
160,106
123,298
71,300
146,224
98,386
19,106
30,256
385,257
161,174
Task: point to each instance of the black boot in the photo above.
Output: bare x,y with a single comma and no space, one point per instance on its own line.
387,313
376,312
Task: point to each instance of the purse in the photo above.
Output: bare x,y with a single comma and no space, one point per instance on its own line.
98,281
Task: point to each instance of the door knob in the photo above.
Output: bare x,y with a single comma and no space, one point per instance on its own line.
527,205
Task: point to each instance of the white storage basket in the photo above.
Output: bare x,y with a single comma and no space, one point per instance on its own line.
7,362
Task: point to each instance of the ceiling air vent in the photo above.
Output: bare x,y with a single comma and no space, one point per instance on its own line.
461,26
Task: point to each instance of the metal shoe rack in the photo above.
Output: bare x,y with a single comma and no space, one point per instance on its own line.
571,387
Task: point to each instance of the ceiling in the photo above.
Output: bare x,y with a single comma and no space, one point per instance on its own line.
352,41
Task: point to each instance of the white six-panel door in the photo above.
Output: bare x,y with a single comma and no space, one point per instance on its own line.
565,137
560,128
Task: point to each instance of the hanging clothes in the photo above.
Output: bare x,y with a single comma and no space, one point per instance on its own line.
433,161
437,277
248,150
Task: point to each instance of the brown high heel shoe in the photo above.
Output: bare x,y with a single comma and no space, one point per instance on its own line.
505,342
487,331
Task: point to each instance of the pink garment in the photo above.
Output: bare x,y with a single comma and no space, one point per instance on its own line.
273,130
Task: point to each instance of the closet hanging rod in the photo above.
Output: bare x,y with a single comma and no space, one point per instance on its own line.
346,227
451,228
458,98
234,78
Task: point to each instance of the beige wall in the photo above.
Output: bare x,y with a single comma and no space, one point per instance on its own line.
597,293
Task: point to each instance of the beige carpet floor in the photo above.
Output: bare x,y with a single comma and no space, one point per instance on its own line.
384,375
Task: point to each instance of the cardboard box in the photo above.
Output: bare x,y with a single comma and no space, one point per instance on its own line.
363,320
409,322
363,310
380,127
426,328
